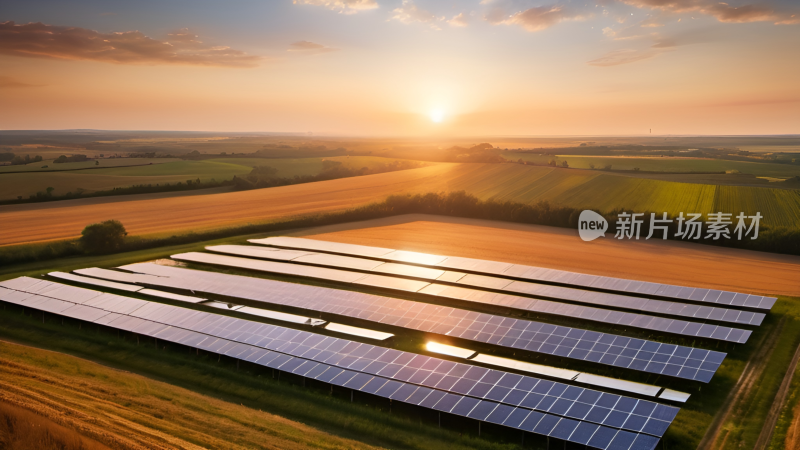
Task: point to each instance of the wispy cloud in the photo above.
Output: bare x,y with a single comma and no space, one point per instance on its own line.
624,56
11,83
37,40
540,17
343,6
409,13
721,11
307,47
459,20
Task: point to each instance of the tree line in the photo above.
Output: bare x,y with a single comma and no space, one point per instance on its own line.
457,204
266,176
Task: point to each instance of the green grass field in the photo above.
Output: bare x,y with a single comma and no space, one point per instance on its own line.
602,191
665,164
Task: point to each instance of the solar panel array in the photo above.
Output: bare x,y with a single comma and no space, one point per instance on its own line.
650,323
579,415
536,369
724,298
538,290
574,343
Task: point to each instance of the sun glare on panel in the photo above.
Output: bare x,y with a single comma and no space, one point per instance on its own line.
437,115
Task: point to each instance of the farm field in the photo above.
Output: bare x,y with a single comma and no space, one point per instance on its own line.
671,262
160,172
665,164
104,162
201,405
529,184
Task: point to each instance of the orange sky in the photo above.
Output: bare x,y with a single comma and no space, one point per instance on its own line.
372,67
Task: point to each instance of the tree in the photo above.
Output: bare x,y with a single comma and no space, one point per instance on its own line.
564,164
97,163
591,166
552,162
103,237
608,167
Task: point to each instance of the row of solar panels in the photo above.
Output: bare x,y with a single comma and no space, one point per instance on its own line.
538,290
575,343
476,296
584,416
536,369
532,273
589,313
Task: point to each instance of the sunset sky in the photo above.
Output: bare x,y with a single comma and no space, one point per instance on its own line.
403,67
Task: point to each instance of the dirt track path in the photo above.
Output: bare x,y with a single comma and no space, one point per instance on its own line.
716,435
765,436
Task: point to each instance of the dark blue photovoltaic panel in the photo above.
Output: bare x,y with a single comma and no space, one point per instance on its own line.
151,319
701,312
575,343
695,329
529,272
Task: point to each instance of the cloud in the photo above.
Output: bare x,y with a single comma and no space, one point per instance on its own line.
10,83
307,47
721,11
541,17
757,101
624,56
343,6
37,40
409,13
496,15
459,20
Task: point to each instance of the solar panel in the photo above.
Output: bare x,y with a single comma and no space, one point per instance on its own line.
619,385
331,247
283,317
450,350
574,343
95,282
646,322
171,296
538,369
113,275
674,396
522,287
365,367
356,331
531,273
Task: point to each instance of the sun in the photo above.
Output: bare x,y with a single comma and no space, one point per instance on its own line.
437,115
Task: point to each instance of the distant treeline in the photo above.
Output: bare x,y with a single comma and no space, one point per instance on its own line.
729,154
461,204
457,204
266,176
48,196
17,160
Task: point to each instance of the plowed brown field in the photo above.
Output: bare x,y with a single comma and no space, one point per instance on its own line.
558,248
